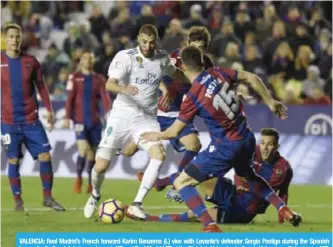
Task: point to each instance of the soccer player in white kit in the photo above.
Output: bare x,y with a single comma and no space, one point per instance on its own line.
135,75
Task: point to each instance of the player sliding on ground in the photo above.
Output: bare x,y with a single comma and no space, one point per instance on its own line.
135,75
20,77
85,91
236,203
233,144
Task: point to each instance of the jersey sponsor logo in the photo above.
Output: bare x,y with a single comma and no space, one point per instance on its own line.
318,124
152,79
3,65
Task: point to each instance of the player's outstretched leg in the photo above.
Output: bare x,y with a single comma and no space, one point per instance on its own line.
46,174
157,155
185,185
15,182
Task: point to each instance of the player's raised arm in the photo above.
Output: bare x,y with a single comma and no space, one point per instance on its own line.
256,83
118,71
44,93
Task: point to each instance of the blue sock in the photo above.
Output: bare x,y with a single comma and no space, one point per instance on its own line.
196,204
80,162
187,158
46,175
15,181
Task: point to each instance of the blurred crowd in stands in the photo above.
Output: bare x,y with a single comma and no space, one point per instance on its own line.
288,44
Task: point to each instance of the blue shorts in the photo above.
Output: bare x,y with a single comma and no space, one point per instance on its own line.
230,207
166,122
218,158
92,134
33,136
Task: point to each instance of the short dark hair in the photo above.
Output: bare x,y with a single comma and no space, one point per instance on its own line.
199,33
192,57
149,30
12,26
270,132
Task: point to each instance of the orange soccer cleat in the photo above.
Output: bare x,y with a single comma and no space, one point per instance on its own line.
212,228
77,186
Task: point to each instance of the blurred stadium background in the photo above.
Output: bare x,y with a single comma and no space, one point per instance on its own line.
289,44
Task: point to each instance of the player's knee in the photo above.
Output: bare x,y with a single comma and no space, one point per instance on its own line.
44,157
91,155
101,165
157,152
194,145
191,143
103,159
83,151
184,180
13,161
129,150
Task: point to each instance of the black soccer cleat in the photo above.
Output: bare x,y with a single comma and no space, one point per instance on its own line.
19,207
51,203
296,220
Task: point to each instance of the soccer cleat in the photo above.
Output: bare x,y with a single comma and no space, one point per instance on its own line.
78,186
90,207
51,203
173,196
287,214
19,206
89,189
212,228
135,212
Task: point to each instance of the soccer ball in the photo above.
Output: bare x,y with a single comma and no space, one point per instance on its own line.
111,211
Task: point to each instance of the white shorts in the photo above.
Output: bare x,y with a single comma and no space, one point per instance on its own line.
126,124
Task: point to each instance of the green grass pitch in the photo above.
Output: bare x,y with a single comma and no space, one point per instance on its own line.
314,203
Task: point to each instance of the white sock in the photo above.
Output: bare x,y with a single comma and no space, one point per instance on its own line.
97,180
148,179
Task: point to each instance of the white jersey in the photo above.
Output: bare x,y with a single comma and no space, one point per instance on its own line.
130,67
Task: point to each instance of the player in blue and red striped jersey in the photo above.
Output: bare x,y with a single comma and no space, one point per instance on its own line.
20,76
213,98
85,91
236,203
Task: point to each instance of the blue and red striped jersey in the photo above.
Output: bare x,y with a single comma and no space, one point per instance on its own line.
213,98
19,79
278,174
84,95
178,89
